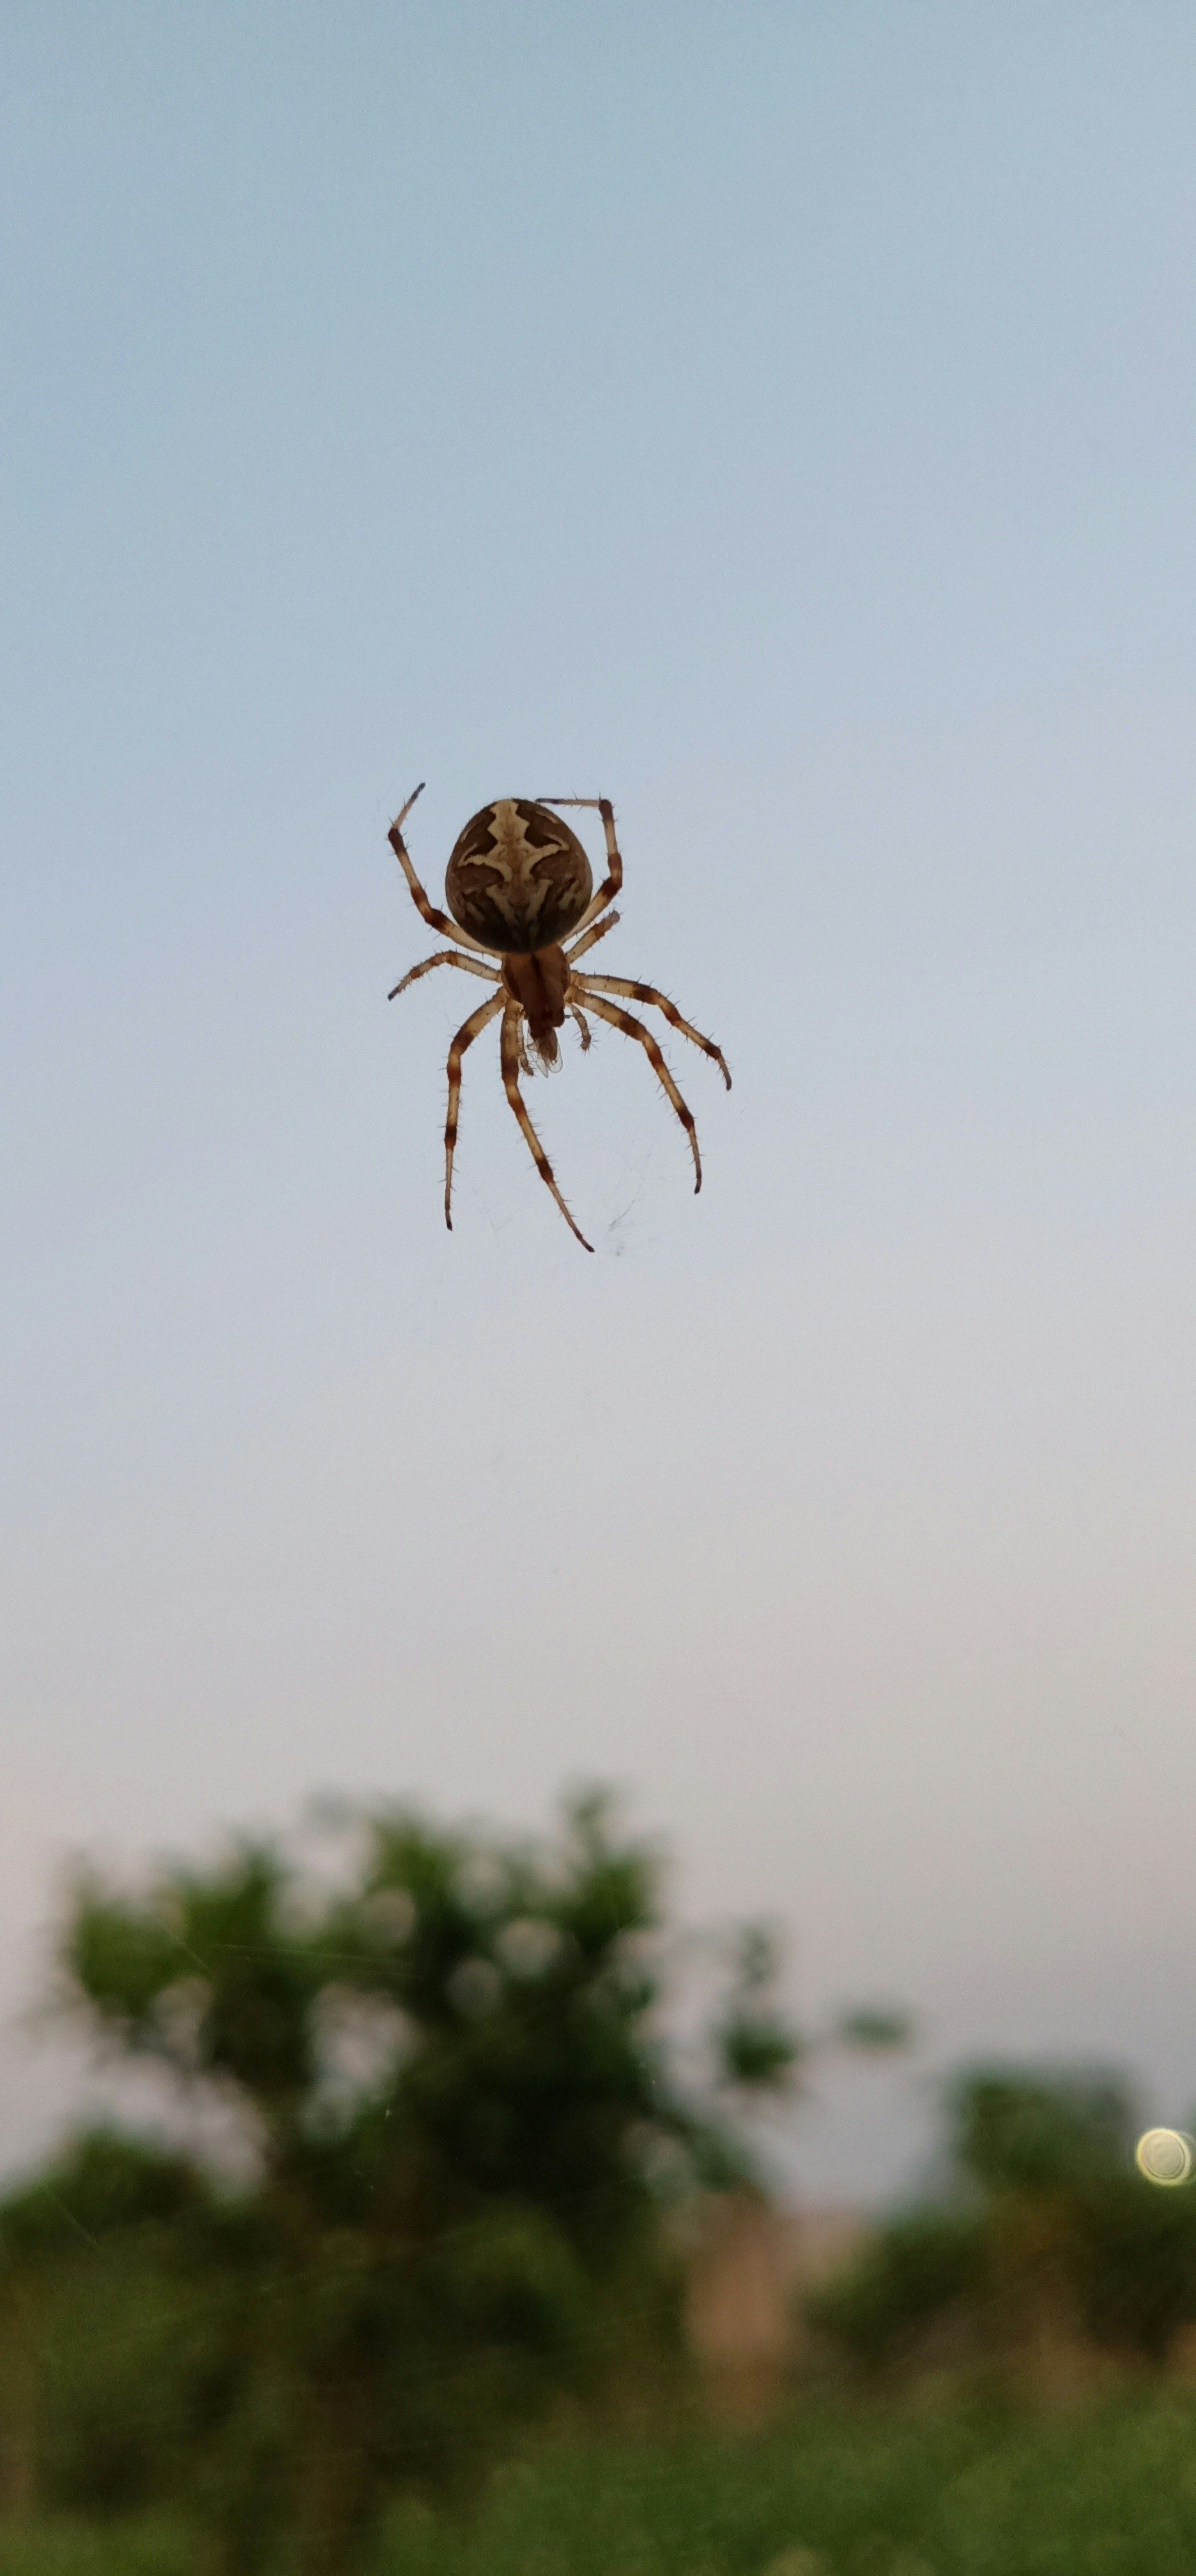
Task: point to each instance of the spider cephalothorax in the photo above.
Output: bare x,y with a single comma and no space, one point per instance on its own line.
518,885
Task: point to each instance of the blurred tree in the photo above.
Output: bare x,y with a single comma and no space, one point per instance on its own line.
873,2029
464,2122
926,2268
1016,2131
755,2046
1046,2229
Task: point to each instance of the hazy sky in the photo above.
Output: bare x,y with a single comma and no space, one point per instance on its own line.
782,419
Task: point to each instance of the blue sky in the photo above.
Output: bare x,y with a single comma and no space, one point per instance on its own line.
780,419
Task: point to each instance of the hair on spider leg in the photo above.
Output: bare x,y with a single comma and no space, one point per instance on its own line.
404,810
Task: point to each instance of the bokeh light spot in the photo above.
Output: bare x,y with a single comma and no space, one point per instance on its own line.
1165,2155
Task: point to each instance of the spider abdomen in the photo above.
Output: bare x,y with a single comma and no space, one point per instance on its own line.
519,879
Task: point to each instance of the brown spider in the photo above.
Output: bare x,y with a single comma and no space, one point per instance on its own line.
518,884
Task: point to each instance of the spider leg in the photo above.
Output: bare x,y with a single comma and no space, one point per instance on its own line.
598,932
445,957
583,1025
468,1031
614,863
404,810
648,993
510,1075
435,919
635,1029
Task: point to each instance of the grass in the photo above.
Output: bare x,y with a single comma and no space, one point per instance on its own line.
150,2546
1111,2492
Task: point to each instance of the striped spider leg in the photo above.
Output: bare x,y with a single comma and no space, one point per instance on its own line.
632,1028
435,920
614,857
585,990
469,1030
511,1052
647,993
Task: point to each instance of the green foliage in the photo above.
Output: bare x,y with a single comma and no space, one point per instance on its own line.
1022,2132
1049,2225
1133,2264
151,2545
868,2493
463,2122
756,2047
922,2268
213,1975
115,2392
105,2180
865,2493
874,2029
103,2328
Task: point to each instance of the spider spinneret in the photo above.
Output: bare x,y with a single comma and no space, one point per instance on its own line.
519,885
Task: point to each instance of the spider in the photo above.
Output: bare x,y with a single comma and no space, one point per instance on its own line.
518,885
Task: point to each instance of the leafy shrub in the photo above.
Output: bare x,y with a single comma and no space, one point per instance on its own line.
1133,2264
463,2125
920,2269
1014,2130
1046,2222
